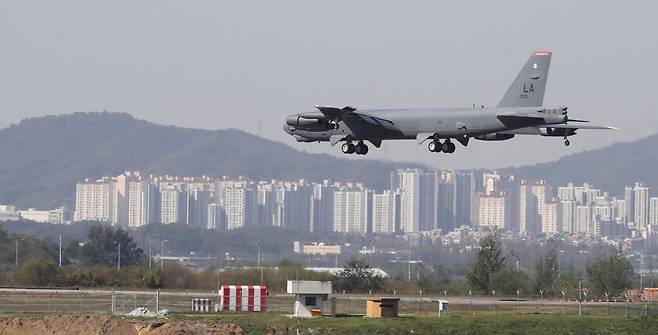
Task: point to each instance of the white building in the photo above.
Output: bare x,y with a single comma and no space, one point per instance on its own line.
216,217
653,211
566,216
549,219
583,220
384,212
9,213
93,200
351,211
238,203
172,203
491,211
54,216
640,206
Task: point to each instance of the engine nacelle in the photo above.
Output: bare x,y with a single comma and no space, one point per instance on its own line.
494,137
298,121
313,115
306,120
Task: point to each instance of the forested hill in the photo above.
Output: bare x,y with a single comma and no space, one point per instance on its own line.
609,168
42,158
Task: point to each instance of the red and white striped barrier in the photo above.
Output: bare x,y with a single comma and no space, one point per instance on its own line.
251,298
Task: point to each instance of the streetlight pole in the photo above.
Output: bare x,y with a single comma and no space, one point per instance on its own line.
17,252
641,270
119,258
162,242
409,263
258,258
580,298
60,250
150,257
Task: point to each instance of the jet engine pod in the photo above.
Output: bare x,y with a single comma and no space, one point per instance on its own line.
306,120
494,137
299,121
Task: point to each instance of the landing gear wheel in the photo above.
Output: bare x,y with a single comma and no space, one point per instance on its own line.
434,146
361,149
347,148
451,147
566,142
445,147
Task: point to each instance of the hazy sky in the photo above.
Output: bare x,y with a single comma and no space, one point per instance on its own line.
221,64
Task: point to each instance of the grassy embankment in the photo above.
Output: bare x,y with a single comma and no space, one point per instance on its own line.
479,324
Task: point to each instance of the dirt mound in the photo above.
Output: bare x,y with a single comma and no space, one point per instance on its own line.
66,324
183,327
87,324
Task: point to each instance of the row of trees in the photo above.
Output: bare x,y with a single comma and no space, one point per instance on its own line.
609,273
490,270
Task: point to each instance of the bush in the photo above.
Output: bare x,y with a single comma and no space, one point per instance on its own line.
36,272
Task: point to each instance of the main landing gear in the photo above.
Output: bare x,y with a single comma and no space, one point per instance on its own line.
351,148
436,146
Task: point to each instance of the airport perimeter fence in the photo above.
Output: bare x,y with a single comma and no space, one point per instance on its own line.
18,302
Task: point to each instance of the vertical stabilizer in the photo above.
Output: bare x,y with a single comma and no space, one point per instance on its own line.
527,90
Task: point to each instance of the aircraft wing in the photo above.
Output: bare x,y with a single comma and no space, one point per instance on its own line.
515,121
335,113
537,130
348,112
578,126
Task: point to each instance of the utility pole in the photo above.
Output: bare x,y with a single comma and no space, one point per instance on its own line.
150,257
258,261
409,263
60,250
641,271
119,258
580,298
162,242
16,252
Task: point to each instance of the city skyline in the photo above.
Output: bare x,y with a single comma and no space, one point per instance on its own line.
417,202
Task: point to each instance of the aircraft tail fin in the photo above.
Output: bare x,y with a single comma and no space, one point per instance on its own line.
527,90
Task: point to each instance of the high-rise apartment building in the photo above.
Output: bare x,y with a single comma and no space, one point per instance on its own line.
491,211
350,210
640,206
172,203
93,200
384,212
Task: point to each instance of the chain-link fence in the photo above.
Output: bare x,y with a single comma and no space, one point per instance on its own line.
123,302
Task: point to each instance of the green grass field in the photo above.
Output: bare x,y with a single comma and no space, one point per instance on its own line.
478,324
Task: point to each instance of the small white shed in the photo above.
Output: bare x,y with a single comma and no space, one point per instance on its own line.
310,296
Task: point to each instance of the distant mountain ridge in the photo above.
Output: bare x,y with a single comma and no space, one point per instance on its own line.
609,168
42,158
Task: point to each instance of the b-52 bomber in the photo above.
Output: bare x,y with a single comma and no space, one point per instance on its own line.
519,112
